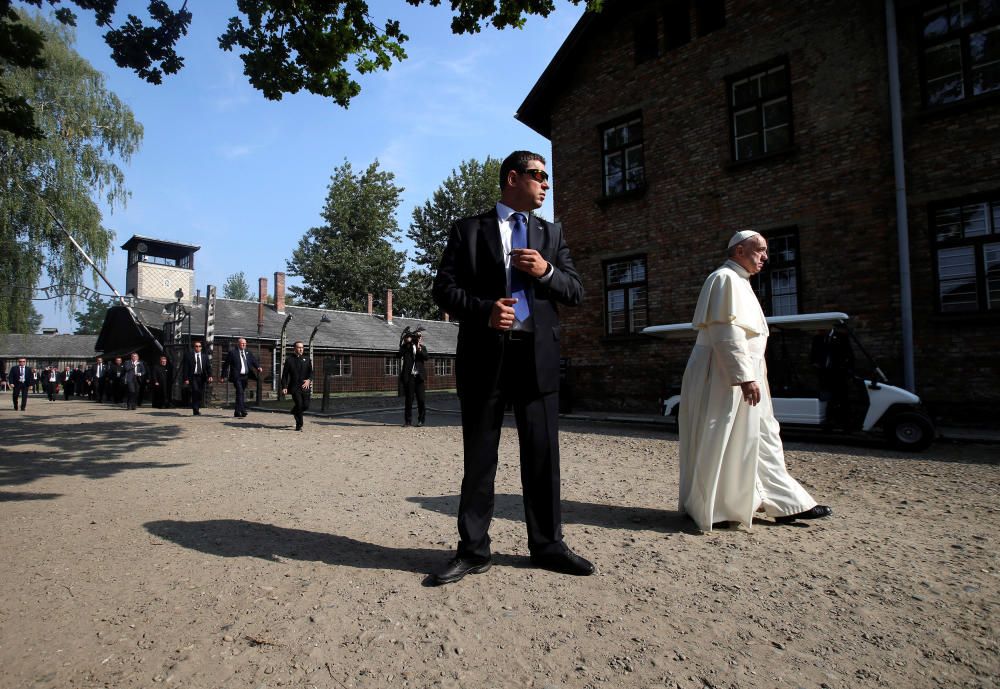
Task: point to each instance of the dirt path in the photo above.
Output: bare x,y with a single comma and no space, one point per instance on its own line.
149,548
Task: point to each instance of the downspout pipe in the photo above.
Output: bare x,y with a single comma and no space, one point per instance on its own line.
902,218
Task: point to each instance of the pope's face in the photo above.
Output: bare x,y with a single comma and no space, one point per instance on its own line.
752,254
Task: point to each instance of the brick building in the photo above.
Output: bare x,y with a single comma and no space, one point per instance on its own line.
675,122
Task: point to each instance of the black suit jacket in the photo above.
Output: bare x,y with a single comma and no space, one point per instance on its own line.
15,371
295,371
471,277
231,365
206,366
407,355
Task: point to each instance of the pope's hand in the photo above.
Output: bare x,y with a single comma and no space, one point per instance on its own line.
751,392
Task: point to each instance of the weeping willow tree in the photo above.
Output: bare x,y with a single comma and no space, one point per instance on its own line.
61,177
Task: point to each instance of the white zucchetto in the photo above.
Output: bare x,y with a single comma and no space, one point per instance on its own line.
741,236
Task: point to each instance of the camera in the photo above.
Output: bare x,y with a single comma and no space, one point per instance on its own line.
413,335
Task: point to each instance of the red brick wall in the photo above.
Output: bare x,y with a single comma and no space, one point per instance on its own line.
836,187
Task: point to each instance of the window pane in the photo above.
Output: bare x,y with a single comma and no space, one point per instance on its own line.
775,83
781,249
747,147
936,21
991,259
610,140
746,122
634,168
777,139
948,222
957,279
616,311
974,220
776,113
944,60
984,48
626,272
743,92
637,309
996,217
633,132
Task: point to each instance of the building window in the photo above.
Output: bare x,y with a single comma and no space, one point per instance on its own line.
711,15
967,255
676,23
338,366
444,367
646,43
625,295
621,145
960,50
760,111
777,285
392,365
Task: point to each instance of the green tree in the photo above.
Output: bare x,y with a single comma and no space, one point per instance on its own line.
352,254
90,320
285,46
474,188
236,287
87,131
34,320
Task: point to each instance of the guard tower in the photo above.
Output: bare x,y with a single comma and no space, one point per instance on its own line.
157,269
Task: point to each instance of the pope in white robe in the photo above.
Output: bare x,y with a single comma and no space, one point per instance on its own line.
731,458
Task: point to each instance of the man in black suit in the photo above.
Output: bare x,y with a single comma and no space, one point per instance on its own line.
159,382
98,374
502,275
240,365
116,381
21,377
412,374
197,372
135,373
296,378
68,383
50,382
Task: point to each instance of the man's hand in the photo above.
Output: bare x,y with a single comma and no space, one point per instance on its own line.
306,384
529,261
502,315
284,391
187,382
210,379
751,392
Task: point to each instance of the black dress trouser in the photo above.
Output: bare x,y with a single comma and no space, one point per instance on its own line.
537,417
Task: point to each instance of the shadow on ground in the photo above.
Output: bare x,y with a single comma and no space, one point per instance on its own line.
240,538
510,506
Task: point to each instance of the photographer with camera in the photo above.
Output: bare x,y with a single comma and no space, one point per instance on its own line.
412,376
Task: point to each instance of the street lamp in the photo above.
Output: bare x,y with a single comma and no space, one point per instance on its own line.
324,319
281,354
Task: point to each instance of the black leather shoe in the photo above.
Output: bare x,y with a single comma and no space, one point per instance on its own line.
817,512
419,424
458,568
566,562
298,428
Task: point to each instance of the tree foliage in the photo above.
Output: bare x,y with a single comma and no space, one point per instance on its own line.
474,188
236,287
87,131
285,46
351,254
90,320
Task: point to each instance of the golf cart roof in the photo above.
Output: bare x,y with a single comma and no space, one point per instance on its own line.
799,321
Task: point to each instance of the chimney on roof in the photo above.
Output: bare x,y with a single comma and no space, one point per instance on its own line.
388,306
369,303
279,292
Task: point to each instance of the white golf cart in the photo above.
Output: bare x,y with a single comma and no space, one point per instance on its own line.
815,385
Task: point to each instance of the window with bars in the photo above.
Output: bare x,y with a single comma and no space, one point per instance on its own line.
625,295
444,367
392,364
760,111
959,50
621,146
777,285
339,366
966,237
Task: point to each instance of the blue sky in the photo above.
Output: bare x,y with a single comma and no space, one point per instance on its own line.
244,178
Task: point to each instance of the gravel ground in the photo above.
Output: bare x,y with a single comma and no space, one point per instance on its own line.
153,548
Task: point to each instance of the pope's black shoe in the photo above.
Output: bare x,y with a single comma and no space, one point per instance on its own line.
458,568
817,512
565,562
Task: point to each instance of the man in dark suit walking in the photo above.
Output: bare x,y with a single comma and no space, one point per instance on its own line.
159,382
197,372
21,377
502,275
98,374
296,379
412,375
240,365
135,373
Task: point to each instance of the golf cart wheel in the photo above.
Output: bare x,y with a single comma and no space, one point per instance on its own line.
910,431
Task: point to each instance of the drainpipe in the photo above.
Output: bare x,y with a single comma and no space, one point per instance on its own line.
902,219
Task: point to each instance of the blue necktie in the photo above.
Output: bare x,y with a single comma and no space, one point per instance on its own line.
518,280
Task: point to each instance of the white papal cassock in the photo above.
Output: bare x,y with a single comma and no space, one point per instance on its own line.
732,460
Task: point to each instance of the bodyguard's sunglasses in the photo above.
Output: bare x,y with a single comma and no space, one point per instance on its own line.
537,175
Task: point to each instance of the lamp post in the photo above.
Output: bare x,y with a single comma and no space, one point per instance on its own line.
281,355
324,319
